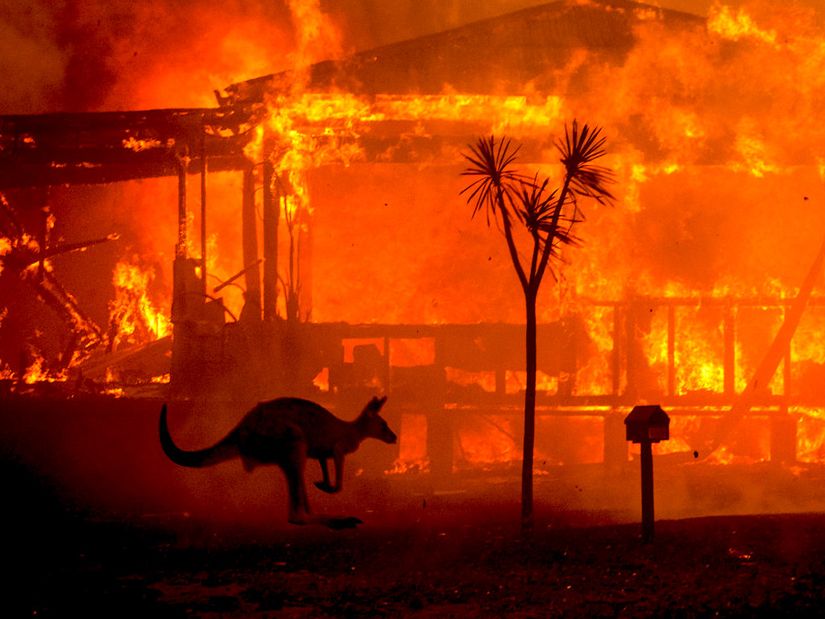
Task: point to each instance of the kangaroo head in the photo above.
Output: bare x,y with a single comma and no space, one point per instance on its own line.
373,424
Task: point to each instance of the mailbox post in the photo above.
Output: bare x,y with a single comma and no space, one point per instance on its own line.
647,425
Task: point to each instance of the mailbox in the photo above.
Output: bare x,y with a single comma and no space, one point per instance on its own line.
647,424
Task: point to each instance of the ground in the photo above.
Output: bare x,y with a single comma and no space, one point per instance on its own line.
454,555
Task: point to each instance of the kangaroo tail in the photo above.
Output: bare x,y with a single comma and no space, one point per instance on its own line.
223,450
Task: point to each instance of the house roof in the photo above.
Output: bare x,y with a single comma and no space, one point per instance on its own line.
492,56
500,55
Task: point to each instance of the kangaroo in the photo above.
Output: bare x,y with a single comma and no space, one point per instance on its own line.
285,432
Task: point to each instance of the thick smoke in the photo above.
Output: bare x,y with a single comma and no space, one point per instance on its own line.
31,60
94,56
84,56
98,55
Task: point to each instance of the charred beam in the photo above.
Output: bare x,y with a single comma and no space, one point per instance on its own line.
180,248
24,175
203,211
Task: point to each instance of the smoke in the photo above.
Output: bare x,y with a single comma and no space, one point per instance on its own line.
31,60
373,23
317,38
92,56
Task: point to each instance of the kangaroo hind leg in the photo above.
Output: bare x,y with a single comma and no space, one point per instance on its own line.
324,485
293,465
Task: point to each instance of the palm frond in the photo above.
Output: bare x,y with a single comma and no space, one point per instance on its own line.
545,217
491,162
578,150
535,204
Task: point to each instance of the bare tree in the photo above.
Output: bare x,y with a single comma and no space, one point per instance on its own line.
548,216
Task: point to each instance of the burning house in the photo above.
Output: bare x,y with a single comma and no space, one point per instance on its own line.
305,235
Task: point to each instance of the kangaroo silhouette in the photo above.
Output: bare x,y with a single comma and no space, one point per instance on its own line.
285,432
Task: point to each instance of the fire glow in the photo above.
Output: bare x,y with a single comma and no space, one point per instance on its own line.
690,271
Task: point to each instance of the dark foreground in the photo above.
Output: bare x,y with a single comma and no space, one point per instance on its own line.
448,559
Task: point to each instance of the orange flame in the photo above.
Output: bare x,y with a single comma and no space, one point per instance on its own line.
670,87
734,26
133,317
38,373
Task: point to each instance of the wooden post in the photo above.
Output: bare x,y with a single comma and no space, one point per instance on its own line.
249,233
304,266
203,210
270,230
180,248
647,491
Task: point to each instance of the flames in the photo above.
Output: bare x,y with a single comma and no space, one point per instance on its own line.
737,25
717,133
306,131
133,318
38,372
750,146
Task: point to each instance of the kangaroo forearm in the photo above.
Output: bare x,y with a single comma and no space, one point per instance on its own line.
339,473
324,470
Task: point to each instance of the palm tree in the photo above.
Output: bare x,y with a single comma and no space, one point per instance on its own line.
548,215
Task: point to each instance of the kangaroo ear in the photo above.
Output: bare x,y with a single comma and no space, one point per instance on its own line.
374,407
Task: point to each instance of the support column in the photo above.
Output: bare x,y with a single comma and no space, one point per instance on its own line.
249,233
270,230
180,248
305,248
203,211
787,376
186,290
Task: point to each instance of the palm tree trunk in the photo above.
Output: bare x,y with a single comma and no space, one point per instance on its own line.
529,414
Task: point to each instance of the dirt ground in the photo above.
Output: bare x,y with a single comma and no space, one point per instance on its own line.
455,556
